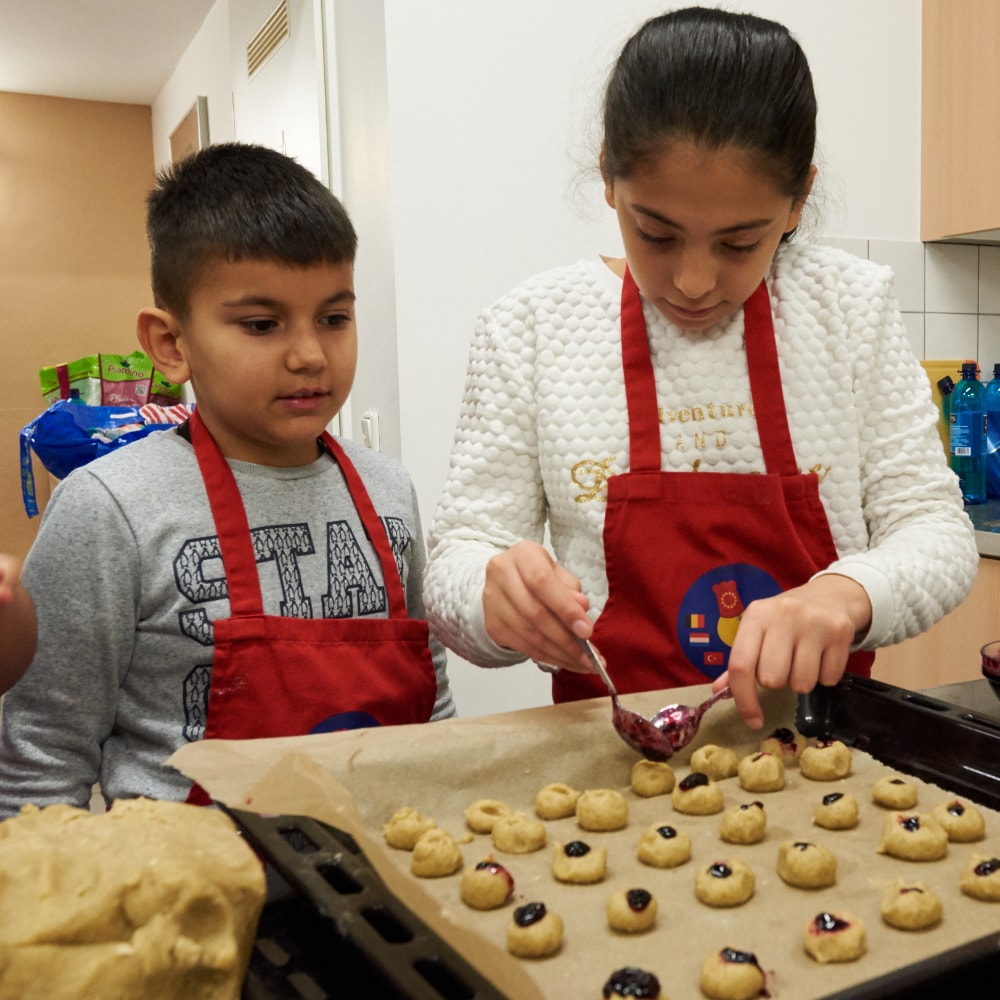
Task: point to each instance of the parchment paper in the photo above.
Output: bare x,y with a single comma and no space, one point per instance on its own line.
355,780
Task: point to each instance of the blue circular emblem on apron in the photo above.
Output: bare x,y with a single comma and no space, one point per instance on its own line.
711,610
344,720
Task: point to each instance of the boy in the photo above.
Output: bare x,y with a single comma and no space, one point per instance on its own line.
150,564
17,622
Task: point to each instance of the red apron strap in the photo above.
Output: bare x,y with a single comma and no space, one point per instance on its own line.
765,384
374,528
640,383
235,541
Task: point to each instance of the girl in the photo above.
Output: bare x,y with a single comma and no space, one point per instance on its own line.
726,433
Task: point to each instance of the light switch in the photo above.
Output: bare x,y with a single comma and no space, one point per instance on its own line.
369,430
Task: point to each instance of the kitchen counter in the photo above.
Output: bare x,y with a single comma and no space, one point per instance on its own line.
986,520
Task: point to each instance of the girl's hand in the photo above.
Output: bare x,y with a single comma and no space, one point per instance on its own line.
797,639
534,605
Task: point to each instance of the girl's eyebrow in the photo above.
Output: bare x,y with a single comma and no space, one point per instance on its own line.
737,228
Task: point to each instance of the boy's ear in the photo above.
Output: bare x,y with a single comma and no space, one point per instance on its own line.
159,334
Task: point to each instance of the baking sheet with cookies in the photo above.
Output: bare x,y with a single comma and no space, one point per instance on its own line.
357,780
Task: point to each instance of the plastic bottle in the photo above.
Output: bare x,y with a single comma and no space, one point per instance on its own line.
946,386
993,434
968,434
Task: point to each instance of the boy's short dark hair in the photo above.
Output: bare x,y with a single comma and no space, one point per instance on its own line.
237,201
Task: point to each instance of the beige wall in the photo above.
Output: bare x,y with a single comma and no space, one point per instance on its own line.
73,257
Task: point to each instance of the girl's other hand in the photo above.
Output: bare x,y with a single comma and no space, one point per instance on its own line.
535,606
796,639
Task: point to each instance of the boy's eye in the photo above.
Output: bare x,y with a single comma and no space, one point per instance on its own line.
336,320
258,325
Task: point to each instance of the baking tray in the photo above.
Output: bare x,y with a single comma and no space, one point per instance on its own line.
332,930
339,933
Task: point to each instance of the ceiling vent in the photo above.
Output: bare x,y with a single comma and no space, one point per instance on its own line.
266,42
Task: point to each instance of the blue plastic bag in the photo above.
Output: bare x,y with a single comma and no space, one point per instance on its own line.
70,434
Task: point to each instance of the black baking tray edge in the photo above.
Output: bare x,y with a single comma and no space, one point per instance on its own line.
338,933
939,743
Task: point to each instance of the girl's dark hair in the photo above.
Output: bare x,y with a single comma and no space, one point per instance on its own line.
238,201
715,78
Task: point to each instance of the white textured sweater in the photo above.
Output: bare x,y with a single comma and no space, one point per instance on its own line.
543,425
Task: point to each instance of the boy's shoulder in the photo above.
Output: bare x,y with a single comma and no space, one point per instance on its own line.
375,466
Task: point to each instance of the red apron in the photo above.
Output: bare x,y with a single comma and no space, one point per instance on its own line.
687,551
276,676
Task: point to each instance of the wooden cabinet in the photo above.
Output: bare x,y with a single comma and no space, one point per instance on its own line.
960,137
949,651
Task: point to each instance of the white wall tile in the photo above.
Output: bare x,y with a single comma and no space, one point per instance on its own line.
989,280
951,335
951,278
914,323
906,258
989,344
851,244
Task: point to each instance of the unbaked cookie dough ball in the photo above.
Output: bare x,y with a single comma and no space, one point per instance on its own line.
805,865
556,801
784,743
663,846
601,809
981,879
744,824
579,863
631,911
837,811
486,886
534,932
911,906
835,937
894,793
697,795
435,855
913,837
519,834
634,983
761,772
405,827
732,975
727,882
962,821
483,813
715,761
652,777
828,760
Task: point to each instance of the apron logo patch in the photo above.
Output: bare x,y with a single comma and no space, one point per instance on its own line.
710,613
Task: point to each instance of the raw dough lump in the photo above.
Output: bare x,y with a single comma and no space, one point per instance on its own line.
837,811
911,906
732,975
727,882
632,982
483,813
556,801
913,837
981,879
579,863
519,834
405,827
744,824
663,846
652,777
762,772
435,855
600,809
148,899
715,761
697,795
835,937
784,743
805,865
894,793
828,760
631,911
535,931
962,821
486,886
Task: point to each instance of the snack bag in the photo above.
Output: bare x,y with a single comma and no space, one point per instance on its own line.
109,380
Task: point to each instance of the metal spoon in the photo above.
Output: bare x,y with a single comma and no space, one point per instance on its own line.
679,723
636,730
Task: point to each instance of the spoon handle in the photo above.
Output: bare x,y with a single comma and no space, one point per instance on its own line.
598,666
